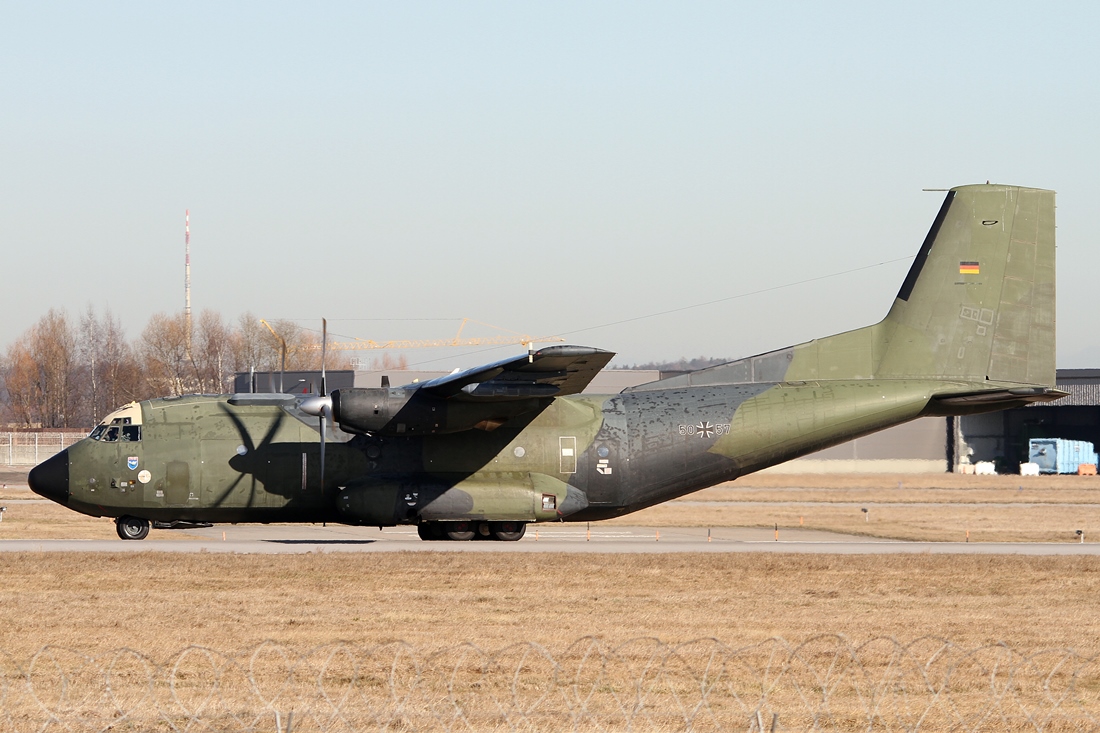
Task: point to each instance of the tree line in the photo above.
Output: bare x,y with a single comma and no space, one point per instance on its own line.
68,372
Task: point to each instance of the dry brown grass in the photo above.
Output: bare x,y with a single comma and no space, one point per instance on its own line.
154,601
948,523
931,507
160,603
912,480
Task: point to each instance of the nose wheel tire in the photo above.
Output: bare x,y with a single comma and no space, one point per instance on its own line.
508,531
132,528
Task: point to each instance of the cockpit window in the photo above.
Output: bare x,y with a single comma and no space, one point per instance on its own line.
122,425
117,433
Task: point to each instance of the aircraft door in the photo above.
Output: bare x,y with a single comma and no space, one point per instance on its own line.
231,476
605,458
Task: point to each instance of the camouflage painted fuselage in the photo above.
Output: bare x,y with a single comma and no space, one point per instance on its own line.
211,461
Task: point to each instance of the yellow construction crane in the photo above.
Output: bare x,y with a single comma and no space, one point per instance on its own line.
505,339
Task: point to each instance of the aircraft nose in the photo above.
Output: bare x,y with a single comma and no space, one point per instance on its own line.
51,478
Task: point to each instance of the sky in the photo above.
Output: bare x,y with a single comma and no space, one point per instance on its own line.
565,168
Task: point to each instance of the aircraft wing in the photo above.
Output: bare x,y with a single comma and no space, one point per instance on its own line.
550,372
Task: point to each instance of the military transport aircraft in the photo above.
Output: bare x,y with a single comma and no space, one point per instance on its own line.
483,452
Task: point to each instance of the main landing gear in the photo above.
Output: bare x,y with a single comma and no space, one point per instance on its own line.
132,528
462,531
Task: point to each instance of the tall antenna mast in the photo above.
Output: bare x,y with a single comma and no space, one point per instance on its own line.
187,276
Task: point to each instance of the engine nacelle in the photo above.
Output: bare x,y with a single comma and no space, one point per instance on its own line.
401,411
494,497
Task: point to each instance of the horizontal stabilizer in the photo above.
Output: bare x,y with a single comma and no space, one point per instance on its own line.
996,399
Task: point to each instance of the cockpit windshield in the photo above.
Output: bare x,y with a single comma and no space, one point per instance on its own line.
121,426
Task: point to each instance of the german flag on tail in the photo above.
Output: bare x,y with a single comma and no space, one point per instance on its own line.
969,268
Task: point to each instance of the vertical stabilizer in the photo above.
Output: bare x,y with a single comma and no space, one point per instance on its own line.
978,302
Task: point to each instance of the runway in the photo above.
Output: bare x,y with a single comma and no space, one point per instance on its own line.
570,538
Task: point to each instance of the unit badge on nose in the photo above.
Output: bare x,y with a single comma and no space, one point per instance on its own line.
132,462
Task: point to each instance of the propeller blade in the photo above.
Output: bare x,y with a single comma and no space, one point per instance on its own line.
326,401
324,345
324,422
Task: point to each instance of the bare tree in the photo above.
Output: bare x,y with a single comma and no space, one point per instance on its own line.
253,345
39,370
56,375
164,352
213,355
110,373
21,384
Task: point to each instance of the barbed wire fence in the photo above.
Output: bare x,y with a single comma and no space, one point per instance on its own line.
825,683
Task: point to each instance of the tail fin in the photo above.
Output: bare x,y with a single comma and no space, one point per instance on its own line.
978,303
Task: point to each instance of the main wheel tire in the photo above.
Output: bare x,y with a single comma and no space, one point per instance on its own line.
508,531
429,531
132,528
460,531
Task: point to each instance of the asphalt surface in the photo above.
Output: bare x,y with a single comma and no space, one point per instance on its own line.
291,539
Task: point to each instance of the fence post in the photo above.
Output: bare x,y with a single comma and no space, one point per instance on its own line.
36,449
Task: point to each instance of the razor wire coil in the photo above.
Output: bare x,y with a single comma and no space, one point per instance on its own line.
825,683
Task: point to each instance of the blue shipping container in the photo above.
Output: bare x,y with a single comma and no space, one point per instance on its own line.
1055,455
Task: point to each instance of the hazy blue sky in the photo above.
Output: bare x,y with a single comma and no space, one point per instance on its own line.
545,167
